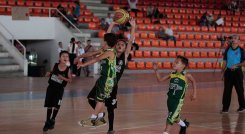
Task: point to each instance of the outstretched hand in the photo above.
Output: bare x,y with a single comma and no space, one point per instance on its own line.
132,22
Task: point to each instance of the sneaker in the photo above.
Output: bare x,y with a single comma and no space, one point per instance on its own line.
224,112
111,132
183,129
46,126
240,110
52,123
88,123
100,122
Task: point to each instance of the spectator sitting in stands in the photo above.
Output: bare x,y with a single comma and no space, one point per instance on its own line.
166,34
108,19
233,6
76,12
203,20
103,24
149,11
132,5
219,21
210,20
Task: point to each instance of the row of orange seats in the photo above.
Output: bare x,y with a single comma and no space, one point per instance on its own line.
183,36
175,10
39,11
173,54
39,3
189,17
168,65
89,19
191,28
178,44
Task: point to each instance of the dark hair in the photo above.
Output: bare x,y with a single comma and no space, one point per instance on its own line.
184,60
63,52
110,39
88,40
123,40
72,40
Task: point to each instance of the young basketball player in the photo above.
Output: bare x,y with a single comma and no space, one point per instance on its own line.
177,88
123,49
103,86
58,79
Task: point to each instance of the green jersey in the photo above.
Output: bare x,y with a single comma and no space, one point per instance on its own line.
108,67
178,85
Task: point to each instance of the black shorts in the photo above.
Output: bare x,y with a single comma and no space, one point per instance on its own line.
54,96
110,102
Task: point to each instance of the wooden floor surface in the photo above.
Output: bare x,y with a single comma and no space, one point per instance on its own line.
141,107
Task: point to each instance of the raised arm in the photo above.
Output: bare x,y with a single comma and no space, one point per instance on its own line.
105,55
159,77
110,27
193,81
132,36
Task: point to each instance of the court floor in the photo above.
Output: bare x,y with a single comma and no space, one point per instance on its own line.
141,107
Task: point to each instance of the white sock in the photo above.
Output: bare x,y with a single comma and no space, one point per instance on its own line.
93,116
100,115
165,133
181,123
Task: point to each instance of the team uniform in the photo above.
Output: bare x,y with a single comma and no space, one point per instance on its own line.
104,85
56,86
177,88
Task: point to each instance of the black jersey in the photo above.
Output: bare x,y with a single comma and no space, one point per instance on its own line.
54,80
120,66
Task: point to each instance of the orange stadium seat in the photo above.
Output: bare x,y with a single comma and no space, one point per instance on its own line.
147,21
198,36
29,3
140,65
172,54
96,19
219,54
170,22
190,36
200,65
138,54
192,65
177,22
216,65
47,4
204,29
202,44
136,35
235,18
147,43
11,2
203,54
217,44
139,21
132,14
182,53
87,19
211,54
163,43
167,65
241,30
8,10
189,28
155,43
151,35
185,22
38,3
195,54
92,25
171,44
227,29
205,36
131,65
228,24
182,36
208,65
213,37
20,2
2,10
138,41
156,54
178,44
194,44
187,44
147,54
141,27
143,35
242,37
210,45
150,27
235,24
3,2
159,64
181,28
211,29
140,14
65,5
164,54
149,65
88,13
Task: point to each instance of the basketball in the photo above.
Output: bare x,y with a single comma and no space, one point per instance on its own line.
121,16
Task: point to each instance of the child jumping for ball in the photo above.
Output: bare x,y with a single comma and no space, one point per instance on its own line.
107,80
58,79
177,88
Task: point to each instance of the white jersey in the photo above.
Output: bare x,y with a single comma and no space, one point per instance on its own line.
80,51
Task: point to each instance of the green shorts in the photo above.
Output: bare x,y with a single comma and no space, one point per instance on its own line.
174,108
104,87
